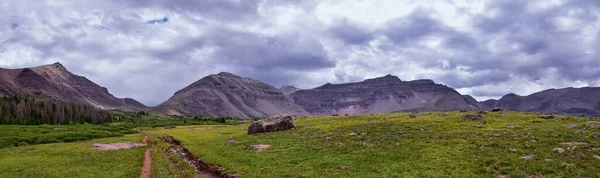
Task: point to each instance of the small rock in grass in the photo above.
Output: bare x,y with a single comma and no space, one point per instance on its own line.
597,156
568,164
594,149
233,142
502,176
527,157
512,150
478,118
496,135
573,143
578,156
257,147
413,115
512,127
572,126
559,150
352,134
548,160
597,135
340,144
344,168
546,116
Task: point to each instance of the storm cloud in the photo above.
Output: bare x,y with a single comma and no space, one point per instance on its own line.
148,50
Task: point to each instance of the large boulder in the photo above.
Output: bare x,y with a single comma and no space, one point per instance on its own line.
497,109
256,127
274,124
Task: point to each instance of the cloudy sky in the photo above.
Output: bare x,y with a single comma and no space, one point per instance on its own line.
147,50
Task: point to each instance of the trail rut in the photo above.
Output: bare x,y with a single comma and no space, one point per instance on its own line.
203,169
147,168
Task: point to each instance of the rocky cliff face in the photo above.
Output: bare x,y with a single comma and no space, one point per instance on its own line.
563,101
288,89
56,82
229,95
380,95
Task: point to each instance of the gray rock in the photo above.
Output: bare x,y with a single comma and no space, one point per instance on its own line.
274,124
233,142
527,157
572,126
546,116
478,118
256,127
559,150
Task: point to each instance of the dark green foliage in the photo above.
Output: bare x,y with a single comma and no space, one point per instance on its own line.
142,119
15,110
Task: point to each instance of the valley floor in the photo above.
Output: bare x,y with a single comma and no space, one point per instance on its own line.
385,145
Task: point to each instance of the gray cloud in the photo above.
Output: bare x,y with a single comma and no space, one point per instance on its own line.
149,49
351,33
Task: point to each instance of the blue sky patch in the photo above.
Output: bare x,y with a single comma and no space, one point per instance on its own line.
159,21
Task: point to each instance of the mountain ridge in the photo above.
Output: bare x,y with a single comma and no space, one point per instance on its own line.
56,82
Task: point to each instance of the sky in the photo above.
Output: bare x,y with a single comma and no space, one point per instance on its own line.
149,49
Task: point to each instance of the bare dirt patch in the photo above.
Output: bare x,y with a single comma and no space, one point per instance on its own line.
119,146
116,146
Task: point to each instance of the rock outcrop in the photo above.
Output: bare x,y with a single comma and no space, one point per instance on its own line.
56,82
288,89
273,124
229,95
381,95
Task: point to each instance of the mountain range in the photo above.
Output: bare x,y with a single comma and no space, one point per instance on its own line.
228,95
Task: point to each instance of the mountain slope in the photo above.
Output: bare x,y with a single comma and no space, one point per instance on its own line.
56,82
380,95
565,101
229,95
288,89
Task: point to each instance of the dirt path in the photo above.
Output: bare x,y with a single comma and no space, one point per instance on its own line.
146,170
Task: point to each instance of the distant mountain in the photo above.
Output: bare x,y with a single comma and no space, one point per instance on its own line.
229,95
562,101
56,82
288,89
381,95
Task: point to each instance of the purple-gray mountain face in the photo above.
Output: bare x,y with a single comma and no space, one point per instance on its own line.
56,82
381,95
228,95
288,89
563,101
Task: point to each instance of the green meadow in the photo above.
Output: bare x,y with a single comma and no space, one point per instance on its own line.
383,145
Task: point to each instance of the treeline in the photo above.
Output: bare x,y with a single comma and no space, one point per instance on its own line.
15,110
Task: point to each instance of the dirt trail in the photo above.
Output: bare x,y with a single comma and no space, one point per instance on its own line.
146,170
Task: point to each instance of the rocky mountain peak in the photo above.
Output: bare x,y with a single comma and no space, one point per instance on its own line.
389,78
227,74
56,82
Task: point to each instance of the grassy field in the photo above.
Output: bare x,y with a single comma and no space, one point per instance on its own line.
72,160
127,123
395,145
17,135
385,145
